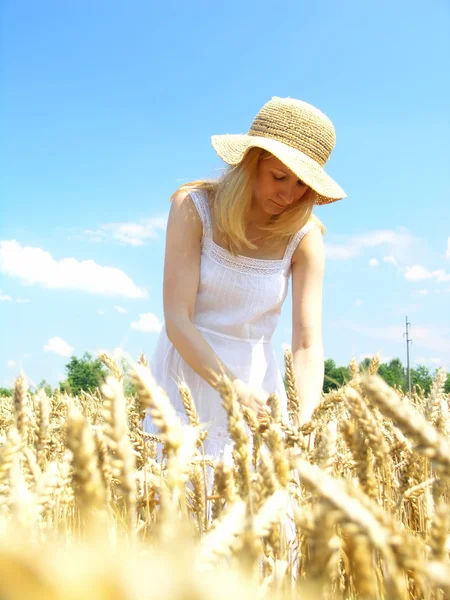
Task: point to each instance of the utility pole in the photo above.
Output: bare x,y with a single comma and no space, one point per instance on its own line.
408,342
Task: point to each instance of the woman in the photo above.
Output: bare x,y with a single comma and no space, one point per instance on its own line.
231,247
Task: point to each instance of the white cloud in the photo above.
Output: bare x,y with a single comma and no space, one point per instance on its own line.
148,322
434,338
133,234
442,290
373,262
94,235
118,353
397,241
417,273
420,273
121,309
58,346
421,360
11,364
423,292
4,297
101,312
34,266
358,302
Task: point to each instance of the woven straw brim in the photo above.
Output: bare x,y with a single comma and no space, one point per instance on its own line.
232,149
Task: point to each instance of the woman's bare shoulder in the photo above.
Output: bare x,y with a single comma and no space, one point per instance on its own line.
182,200
311,245
184,215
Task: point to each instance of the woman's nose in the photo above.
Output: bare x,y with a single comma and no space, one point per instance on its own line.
287,196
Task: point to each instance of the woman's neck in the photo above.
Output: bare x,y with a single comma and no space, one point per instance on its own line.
257,217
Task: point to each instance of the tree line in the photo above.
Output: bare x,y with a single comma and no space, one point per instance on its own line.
393,372
87,373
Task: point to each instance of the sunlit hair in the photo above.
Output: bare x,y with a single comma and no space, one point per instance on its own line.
230,198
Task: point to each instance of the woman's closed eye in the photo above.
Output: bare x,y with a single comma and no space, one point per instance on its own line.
299,182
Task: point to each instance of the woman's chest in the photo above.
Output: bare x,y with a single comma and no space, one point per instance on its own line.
234,281
264,249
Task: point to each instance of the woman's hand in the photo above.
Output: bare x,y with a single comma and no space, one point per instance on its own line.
254,399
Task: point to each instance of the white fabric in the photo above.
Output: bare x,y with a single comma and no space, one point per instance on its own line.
237,310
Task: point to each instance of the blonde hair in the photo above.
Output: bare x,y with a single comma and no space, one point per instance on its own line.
230,199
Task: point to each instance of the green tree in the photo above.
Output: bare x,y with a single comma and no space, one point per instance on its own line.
83,373
393,373
447,385
328,383
334,376
421,376
365,364
46,387
5,392
129,388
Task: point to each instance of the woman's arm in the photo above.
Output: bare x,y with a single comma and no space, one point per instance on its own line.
308,265
181,281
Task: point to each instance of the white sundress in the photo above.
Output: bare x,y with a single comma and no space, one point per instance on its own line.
238,307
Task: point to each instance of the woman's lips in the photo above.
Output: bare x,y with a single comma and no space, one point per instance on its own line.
276,204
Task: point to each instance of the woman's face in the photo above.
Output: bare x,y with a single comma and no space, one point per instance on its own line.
276,187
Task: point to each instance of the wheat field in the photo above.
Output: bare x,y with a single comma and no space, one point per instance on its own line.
355,504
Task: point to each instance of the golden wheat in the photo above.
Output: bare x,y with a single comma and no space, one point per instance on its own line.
361,513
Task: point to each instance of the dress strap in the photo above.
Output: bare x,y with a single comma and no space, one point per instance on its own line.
200,200
295,241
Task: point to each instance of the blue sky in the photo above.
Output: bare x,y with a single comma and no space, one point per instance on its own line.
106,107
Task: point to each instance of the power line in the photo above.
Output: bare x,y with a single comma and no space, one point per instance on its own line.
408,370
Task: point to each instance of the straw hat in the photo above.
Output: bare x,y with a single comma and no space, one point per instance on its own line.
298,134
